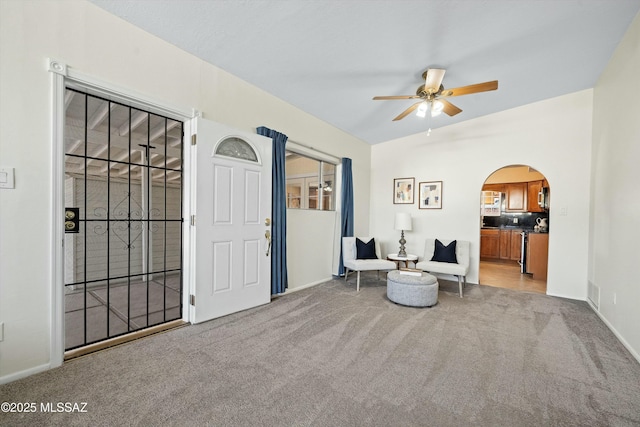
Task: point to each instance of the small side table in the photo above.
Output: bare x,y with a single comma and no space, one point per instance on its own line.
398,259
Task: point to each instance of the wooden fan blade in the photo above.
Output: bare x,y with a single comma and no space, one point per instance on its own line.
449,108
433,79
466,90
407,111
377,98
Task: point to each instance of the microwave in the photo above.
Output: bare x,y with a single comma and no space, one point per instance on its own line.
543,198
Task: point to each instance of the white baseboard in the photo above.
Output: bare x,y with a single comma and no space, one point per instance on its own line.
23,374
615,332
308,285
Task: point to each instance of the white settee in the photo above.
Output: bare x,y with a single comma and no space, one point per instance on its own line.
350,261
459,269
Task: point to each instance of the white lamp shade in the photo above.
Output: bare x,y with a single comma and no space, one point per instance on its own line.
403,221
422,109
436,108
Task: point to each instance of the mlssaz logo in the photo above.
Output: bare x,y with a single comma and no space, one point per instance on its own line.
63,407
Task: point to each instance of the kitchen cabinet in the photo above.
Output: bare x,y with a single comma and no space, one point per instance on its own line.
510,244
516,245
538,255
493,187
505,244
516,197
489,243
533,190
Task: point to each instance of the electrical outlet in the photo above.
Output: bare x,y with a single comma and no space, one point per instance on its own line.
515,220
7,178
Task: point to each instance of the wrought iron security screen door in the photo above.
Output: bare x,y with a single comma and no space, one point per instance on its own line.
123,251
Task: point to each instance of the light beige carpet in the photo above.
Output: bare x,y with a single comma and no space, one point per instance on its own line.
329,356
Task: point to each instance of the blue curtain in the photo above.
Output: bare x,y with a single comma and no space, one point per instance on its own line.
346,226
279,280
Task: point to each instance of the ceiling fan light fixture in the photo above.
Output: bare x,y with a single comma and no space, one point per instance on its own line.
432,90
422,109
436,108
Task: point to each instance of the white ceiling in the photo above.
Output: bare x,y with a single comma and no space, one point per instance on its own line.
330,57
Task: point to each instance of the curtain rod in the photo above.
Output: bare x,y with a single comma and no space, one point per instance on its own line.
338,159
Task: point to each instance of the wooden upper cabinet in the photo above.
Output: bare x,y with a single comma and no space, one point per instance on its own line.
516,197
533,190
493,187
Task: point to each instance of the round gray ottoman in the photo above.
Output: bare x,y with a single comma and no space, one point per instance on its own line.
414,291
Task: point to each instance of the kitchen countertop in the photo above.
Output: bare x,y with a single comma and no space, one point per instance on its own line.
515,227
507,227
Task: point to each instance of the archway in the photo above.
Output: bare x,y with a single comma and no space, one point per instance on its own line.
514,239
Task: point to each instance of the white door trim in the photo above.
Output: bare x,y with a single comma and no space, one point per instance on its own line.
61,77
56,340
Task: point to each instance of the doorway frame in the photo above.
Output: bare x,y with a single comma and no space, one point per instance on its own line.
480,222
61,77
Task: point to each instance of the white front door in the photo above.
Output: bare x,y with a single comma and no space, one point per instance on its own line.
233,211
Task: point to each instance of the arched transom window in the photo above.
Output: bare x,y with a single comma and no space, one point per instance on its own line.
238,148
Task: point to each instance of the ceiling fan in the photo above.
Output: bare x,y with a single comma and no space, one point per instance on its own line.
432,95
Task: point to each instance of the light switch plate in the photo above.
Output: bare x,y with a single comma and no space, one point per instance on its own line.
6,177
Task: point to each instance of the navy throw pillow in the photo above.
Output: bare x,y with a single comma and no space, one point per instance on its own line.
366,250
444,253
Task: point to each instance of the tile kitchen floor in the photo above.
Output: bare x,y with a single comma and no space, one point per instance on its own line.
501,274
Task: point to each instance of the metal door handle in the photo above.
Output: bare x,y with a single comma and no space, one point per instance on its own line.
267,235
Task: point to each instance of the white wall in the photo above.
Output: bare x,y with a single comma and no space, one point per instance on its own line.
312,229
552,136
105,47
615,207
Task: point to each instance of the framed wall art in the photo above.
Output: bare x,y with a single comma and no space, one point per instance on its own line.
403,190
430,194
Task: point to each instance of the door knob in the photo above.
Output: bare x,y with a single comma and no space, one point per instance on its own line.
267,235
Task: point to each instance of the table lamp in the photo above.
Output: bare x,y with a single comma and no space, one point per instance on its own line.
402,223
